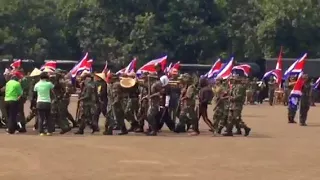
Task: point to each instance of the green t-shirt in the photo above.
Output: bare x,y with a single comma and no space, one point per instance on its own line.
43,89
13,90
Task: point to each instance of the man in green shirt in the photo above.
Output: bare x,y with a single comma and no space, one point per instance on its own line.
13,92
43,89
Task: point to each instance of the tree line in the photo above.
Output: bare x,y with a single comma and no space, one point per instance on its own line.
190,31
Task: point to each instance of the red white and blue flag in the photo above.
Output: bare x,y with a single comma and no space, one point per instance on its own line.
84,64
52,65
175,67
296,92
276,72
16,64
316,84
130,68
226,71
243,67
150,66
296,67
214,69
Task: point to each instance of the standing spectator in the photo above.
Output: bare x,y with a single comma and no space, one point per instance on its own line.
13,92
43,88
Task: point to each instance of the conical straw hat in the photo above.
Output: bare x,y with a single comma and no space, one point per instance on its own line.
84,72
35,72
47,70
101,75
128,82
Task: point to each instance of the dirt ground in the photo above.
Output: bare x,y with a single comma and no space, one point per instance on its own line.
275,150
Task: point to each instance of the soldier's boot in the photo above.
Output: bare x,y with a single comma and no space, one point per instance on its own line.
188,126
180,128
246,130
81,129
291,120
123,131
228,131
238,128
65,130
140,128
134,126
108,131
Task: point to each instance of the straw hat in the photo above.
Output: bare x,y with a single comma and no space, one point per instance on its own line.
128,82
101,75
35,72
47,70
84,72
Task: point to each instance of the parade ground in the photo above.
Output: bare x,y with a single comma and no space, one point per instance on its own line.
275,150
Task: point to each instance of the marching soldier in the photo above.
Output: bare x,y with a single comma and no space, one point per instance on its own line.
102,95
236,101
220,98
153,108
305,101
88,100
117,107
143,106
57,105
131,87
188,114
110,122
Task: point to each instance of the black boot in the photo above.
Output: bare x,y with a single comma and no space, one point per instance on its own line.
63,131
108,131
123,131
79,132
247,131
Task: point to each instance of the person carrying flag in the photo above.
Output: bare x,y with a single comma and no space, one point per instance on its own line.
305,100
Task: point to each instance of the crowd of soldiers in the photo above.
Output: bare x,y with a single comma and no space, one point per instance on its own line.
179,101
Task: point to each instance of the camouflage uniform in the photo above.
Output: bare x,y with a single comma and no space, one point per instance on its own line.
234,115
33,103
102,96
143,107
65,114
132,107
153,109
110,121
239,122
117,107
188,114
88,100
271,90
219,114
57,105
305,103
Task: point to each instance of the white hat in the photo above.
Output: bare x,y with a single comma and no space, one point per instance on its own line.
35,72
84,72
47,70
164,80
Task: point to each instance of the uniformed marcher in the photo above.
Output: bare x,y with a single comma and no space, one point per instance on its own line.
188,114
100,80
236,101
305,101
110,122
88,99
220,102
131,88
153,108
